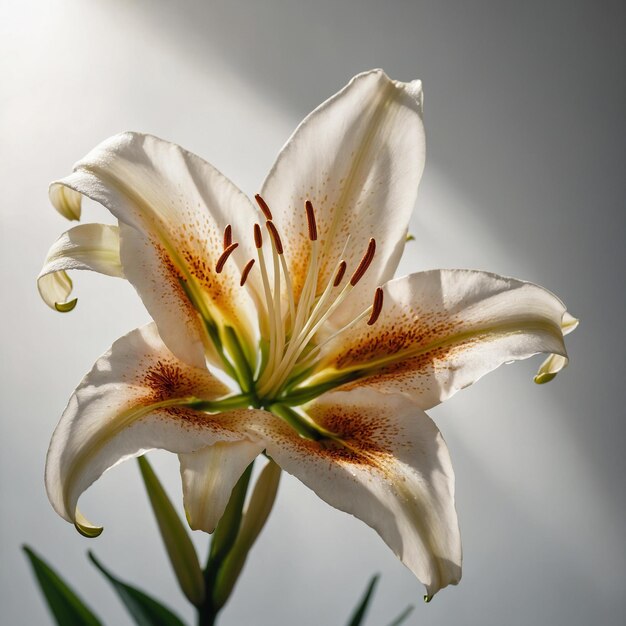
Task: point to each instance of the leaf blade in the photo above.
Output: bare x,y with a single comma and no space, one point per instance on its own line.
145,610
66,607
178,544
400,619
361,609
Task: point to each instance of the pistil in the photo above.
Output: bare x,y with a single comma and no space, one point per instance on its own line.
292,332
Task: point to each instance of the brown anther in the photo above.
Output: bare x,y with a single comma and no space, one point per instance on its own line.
263,206
377,307
310,217
246,271
341,270
278,244
258,237
228,236
365,263
219,266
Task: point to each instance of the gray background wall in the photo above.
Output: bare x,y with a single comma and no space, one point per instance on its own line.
525,177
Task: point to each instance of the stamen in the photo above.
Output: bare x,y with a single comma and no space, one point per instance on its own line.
224,257
278,244
340,272
228,236
310,216
258,237
377,307
246,271
263,206
365,262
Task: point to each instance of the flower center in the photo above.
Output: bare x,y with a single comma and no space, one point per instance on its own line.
289,325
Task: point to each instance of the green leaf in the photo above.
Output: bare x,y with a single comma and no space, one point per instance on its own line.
177,541
146,611
226,532
361,609
259,508
66,607
400,619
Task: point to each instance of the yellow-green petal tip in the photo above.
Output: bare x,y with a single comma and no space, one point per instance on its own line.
544,377
65,307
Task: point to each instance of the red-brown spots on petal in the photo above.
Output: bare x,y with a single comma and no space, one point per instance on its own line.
401,331
167,379
362,437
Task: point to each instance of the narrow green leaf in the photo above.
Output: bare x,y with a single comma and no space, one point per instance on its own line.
361,609
400,619
146,611
177,541
226,532
66,607
261,503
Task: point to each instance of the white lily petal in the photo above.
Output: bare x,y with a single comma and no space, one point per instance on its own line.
180,205
358,158
556,362
66,201
390,468
162,293
209,476
94,247
440,331
132,401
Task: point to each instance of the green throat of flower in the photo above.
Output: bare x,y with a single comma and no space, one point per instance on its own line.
282,372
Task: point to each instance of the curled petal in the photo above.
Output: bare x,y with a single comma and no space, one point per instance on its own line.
389,466
93,247
179,205
440,331
66,201
358,159
133,400
556,362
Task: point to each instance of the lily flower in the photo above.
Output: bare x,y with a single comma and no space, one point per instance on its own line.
330,362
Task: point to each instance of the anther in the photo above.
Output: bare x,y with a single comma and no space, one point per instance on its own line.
341,270
278,244
310,217
228,236
377,307
365,263
246,271
219,266
258,237
263,206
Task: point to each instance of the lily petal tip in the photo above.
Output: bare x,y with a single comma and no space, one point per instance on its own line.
86,528
66,307
65,200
